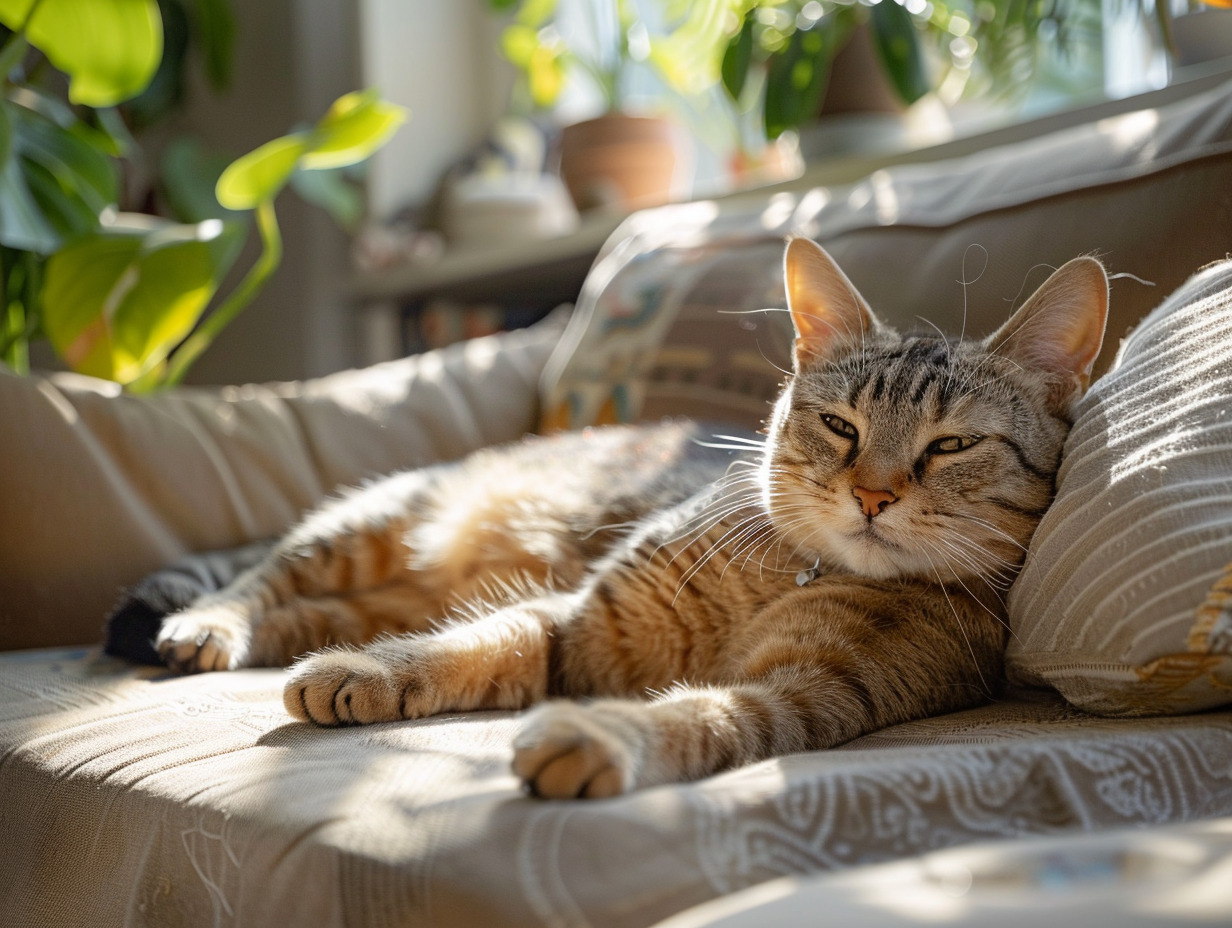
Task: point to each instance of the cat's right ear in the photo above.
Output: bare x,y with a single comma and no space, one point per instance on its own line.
826,309
1059,331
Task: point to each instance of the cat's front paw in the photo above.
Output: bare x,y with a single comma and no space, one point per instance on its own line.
342,688
568,751
383,683
206,638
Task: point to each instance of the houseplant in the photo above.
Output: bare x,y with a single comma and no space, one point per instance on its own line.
989,47
632,158
125,296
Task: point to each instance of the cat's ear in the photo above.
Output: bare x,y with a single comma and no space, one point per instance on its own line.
826,309
1060,329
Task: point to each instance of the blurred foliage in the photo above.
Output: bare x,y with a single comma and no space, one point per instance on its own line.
677,38
972,47
776,55
124,295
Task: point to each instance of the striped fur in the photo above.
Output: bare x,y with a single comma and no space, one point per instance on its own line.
843,575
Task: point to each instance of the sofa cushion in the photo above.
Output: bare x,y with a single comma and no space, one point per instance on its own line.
1125,601
133,798
668,322
101,487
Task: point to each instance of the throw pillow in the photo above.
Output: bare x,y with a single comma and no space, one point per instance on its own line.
1125,602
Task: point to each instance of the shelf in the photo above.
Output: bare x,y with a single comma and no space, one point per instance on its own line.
511,270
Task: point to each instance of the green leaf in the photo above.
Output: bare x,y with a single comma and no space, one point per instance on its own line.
112,135
12,50
536,12
109,50
189,177
262,173
6,135
737,58
55,183
79,169
114,305
167,88
67,213
897,42
797,81
331,191
22,223
215,33
546,76
356,125
519,43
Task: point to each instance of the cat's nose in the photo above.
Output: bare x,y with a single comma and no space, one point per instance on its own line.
873,501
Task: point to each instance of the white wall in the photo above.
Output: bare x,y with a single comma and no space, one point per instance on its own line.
439,60
292,59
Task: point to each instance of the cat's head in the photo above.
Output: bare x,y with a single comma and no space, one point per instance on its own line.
920,455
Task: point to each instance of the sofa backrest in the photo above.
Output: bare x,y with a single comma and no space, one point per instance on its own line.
669,323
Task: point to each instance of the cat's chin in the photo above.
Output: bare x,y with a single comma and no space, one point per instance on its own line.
872,557
861,552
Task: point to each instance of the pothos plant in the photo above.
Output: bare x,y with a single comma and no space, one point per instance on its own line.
986,46
124,296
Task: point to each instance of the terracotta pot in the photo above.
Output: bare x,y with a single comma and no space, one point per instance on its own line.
626,162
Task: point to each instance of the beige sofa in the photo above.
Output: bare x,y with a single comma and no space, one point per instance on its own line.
131,797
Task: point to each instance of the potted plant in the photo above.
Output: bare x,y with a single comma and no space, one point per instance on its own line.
125,296
988,47
620,157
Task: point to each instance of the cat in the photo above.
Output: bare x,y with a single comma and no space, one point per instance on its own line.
696,613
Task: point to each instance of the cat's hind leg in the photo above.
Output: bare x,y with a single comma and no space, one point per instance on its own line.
340,576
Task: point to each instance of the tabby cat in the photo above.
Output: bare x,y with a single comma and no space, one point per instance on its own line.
843,575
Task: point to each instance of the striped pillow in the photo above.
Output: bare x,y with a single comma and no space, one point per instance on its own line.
1125,602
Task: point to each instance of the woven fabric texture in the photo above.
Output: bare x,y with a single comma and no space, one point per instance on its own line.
137,799
1125,602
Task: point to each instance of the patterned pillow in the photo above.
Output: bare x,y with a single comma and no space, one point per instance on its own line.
1125,602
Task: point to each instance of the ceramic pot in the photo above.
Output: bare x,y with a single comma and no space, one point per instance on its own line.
624,162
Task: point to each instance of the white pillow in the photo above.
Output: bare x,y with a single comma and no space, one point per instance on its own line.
1125,602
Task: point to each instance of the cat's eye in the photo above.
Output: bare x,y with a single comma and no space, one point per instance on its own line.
953,443
839,426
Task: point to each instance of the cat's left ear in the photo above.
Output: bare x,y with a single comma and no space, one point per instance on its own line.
1060,329
826,309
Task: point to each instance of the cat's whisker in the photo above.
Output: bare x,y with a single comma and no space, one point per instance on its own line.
995,529
980,551
705,520
722,446
694,569
998,578
967,283
742,439
757,536
627,525
995,592
958,620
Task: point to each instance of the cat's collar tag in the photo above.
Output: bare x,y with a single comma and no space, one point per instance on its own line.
809,574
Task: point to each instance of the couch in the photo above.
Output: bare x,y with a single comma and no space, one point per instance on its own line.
129,796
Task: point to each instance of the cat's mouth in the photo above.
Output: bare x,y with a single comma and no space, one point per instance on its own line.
870,532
